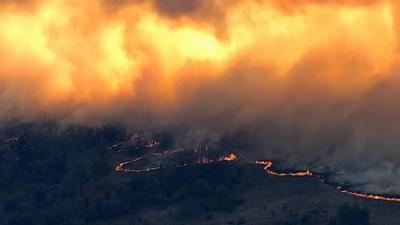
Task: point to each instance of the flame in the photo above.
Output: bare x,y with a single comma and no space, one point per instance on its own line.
267,165
229,157
268,168
370,196
120,167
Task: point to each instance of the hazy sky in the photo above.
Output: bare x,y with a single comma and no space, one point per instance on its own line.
312,82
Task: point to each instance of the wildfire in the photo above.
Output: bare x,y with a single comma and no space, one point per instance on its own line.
229,157
370,196
268,168
202,154
121,166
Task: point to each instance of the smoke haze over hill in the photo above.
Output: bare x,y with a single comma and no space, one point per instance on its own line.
314,84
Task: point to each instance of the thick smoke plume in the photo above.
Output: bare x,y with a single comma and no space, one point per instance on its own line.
313,83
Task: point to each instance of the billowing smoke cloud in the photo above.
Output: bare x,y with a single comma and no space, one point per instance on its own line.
313,83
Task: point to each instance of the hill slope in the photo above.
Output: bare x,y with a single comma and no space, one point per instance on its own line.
50,175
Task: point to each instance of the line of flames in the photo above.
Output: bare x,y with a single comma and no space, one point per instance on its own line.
267,166
369,196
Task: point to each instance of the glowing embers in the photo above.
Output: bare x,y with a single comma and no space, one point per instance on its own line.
268,168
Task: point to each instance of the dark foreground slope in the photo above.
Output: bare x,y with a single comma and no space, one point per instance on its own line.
59,176
263,199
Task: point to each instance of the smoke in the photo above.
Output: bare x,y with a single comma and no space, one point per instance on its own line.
313,83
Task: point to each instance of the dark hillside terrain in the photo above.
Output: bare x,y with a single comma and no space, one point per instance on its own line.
66,176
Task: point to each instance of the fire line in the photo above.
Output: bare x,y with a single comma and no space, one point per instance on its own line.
267,166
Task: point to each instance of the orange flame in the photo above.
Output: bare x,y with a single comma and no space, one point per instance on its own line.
268,168
370,196
229,157
267,165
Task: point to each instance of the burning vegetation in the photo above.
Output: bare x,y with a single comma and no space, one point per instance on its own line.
370,196
268,168
212,77
201,156
194,181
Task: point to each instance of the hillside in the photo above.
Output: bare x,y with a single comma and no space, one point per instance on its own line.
52,175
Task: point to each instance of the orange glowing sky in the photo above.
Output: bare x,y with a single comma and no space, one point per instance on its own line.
58,55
